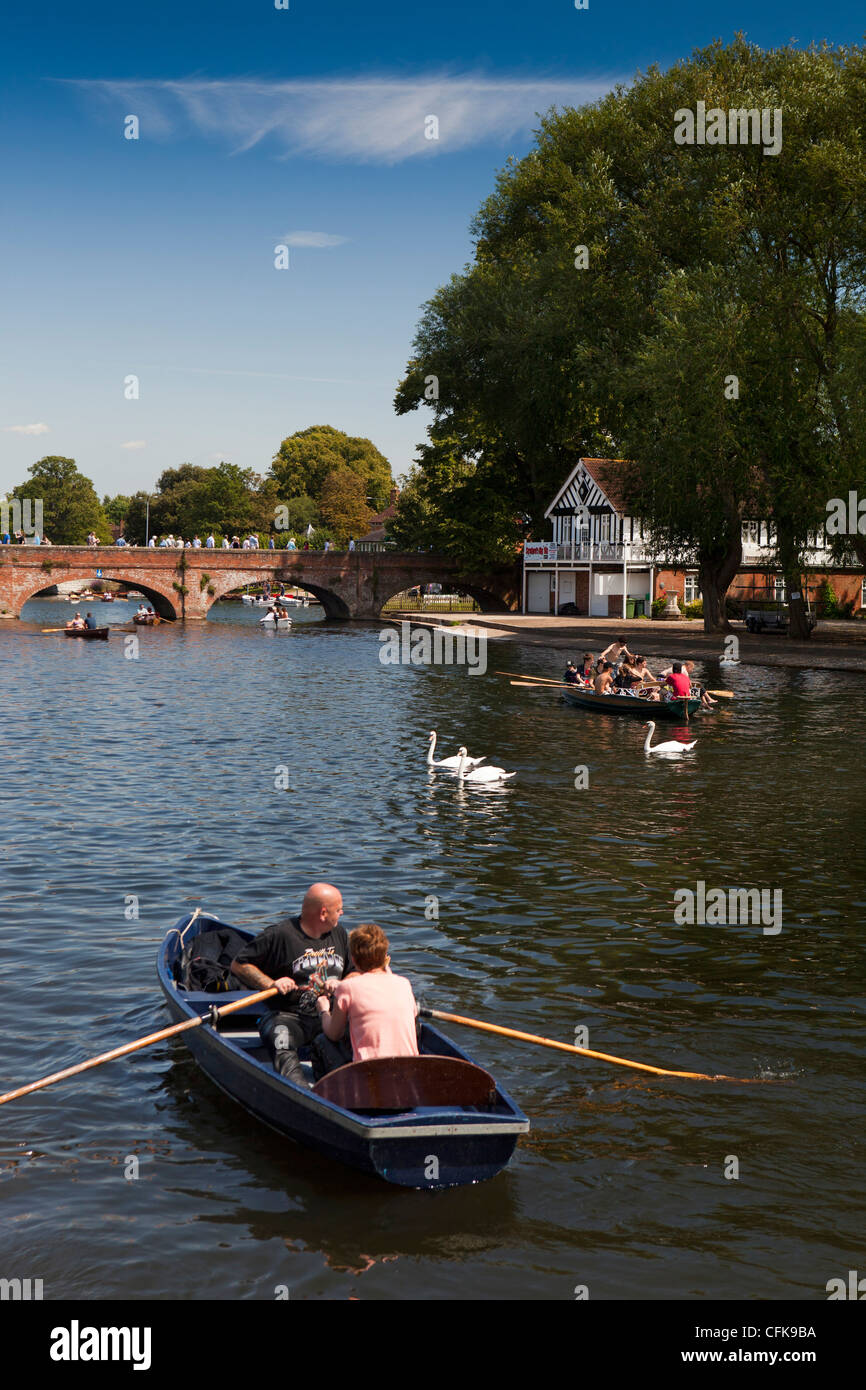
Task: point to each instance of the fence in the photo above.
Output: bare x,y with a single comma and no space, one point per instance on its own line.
433,603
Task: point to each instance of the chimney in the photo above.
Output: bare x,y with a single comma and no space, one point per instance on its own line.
395,493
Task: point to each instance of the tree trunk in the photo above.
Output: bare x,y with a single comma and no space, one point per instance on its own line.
799,629
716,572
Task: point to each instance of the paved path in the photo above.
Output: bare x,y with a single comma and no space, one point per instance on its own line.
834,645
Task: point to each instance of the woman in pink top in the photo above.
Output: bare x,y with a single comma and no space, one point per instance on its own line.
379,1007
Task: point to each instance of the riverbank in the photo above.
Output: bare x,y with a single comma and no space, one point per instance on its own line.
833,646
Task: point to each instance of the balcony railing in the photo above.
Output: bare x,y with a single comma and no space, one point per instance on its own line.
584,552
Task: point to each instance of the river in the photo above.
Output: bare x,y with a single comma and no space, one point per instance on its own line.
148,783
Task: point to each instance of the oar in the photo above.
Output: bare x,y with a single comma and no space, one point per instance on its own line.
543,685
580,1051
54,629
139,1043
721,694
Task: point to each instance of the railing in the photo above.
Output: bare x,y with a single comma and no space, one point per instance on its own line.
577,552
438,603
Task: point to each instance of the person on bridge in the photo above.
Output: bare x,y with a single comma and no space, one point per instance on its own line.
288,955
291,544
196,543
210,543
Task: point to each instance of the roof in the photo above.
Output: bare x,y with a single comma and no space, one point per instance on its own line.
593,485
377,524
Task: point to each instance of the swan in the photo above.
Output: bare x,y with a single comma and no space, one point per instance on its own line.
480,774
451,764
672,745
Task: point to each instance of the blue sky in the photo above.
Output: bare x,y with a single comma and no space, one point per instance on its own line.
260,127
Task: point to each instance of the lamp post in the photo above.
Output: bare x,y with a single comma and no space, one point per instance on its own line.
147,521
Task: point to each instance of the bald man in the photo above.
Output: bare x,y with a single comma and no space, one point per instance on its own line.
287,955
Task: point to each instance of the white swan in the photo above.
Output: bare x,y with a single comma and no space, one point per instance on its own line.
480,774
451,764
672,745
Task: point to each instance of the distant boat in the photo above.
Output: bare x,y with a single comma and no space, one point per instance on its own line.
269,621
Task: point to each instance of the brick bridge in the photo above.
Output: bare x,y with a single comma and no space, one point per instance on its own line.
185,583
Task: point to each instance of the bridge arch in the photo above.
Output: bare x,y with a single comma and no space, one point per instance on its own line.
226,582
163,601
489,600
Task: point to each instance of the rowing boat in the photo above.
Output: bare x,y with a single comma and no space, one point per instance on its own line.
433,1121
90,634
270,621
628,705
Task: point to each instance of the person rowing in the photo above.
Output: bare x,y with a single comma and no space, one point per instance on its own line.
76,623
603,683
572,675
303,957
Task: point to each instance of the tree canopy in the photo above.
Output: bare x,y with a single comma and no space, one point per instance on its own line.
305,459
70,505
696,308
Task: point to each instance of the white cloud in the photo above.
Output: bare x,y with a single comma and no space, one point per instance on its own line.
134,444
366,120
25,429
312,239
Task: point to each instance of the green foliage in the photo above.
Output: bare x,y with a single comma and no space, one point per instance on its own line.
703,264
70,506
304,460
115,508
191,501
826,600
343,505
694,610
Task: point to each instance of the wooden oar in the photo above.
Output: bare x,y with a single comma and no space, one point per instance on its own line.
580,1051
721,694
135,1046
56,629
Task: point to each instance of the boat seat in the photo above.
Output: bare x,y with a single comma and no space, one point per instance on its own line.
402,1083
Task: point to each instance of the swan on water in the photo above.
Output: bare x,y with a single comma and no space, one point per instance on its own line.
450,763
672,745
480,774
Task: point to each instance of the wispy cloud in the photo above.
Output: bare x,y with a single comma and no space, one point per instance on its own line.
134,444
370,120
313,239
25,429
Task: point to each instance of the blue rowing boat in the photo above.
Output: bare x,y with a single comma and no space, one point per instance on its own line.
433,1121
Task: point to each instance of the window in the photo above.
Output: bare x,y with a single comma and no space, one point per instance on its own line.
863,592
779,589
751,532
604,527
691,593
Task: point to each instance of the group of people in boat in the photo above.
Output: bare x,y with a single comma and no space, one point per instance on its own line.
621,672
336,993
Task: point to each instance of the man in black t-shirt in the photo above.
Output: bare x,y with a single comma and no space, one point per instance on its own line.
288,955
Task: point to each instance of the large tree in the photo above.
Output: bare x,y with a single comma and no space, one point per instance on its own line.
533,355
343,506
70,505
304,460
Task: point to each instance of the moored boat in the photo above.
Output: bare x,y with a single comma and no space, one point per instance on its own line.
678,709
90,634
433,1121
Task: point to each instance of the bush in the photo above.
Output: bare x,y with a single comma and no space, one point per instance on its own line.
658,606
694,610
826,601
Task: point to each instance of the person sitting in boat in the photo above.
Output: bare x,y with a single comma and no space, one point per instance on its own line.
616,653
642,669
90,622
706,701
142,610
572,676
678,682
77,622
632,689
378,1007
603,683
588,669
287,956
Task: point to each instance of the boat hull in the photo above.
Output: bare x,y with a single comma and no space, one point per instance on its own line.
674,710
88,634
427,1147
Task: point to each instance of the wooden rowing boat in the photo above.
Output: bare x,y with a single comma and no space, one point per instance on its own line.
626,704
90,634
144,619
432,1121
